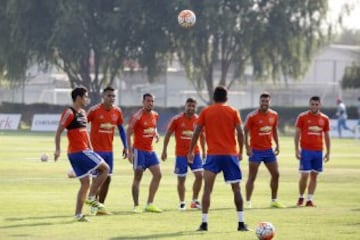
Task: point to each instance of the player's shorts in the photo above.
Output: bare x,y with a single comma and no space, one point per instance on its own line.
144,159
311,161
109,159
266,156
228,164
84,162
181,165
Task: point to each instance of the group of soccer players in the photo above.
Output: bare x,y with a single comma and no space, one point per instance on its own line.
220,129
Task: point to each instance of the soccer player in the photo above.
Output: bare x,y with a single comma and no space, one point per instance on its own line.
183,125
311,127
341,117
261,128
220,121
82,158
143,125
104,118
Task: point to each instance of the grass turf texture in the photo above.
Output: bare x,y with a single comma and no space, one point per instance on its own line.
37,199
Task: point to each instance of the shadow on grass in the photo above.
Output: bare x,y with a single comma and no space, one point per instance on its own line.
34,218
66,220
160,235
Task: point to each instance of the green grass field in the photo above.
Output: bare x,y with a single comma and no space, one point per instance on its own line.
37,199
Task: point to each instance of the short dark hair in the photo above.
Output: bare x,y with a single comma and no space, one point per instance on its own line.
147,95
191,100
265,95
109,88
315,98
78,91
220,94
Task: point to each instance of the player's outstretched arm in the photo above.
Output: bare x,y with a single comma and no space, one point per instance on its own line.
165,144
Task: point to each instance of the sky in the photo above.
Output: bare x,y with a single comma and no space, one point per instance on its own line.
353,20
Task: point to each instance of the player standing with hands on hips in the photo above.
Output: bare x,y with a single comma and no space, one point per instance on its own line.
82,158
220,121
311,127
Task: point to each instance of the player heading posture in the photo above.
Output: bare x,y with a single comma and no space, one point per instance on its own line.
83,160
261,126
143,125
220,122
183,125
104,117
311,127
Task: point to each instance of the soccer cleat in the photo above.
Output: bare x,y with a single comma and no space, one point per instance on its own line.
277,204
248,205
93,211
102,211
152,208
137,209
300,202
182,207
203,227
242,227
310,203
82,218
93,203
195,205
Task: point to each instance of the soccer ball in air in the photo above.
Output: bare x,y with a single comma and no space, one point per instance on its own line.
44,157
265,231
186,18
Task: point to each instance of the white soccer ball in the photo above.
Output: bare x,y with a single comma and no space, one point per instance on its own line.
44,157
70,173
265,231
186,18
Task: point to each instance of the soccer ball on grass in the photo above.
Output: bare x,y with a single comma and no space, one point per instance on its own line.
265,231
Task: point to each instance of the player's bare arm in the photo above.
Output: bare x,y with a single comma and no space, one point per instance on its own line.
157,136
129,133
276,140
296,142
165,144
240,138
246,141
194,139
327,145
59,131
202,144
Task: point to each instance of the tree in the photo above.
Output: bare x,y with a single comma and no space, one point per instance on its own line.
276,37
89,40
351,78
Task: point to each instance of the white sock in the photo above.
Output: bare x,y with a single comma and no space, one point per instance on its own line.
91,198
274,200
241,216
204,217
78,215
309,197
301,196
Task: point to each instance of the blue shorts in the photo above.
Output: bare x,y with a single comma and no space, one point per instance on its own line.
266,156
311,161
84,162
109,159
144,159
181,165
228,164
